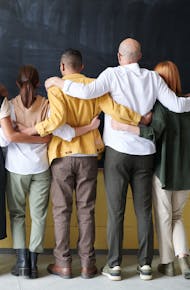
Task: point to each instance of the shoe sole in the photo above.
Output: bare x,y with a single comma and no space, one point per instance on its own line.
60,275
84,276
23,272
167,274
111,277
187,275
145,277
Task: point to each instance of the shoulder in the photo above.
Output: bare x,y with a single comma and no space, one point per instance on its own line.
150,72
109,72
84,79
41,98
42,101
54,91
4,108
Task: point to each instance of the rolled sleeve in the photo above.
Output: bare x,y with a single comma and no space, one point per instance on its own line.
65,132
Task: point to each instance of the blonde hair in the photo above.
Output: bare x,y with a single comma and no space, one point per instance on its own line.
170,73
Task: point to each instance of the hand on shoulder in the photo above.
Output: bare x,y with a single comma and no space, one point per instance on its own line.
54,81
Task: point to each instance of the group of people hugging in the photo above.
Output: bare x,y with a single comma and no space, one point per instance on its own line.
51,146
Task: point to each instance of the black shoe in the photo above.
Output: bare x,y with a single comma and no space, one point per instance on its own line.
33,265
22,267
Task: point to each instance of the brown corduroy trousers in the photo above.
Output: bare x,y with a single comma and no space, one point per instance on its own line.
77,174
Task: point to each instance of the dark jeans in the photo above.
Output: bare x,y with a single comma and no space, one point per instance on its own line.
79,174
120,170
2,197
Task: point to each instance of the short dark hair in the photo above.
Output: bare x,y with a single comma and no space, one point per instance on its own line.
72,58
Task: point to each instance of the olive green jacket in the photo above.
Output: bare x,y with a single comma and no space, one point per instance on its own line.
171,133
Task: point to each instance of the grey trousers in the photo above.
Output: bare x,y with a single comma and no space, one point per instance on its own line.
119,170
69,174
37,187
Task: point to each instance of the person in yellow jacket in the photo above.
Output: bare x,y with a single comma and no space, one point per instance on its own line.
74,165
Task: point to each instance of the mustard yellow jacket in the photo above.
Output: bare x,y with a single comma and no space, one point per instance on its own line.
77,112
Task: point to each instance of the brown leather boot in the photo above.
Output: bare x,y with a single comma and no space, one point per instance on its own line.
64,272
88,272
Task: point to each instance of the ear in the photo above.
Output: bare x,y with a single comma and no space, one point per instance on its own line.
140,56
119,57
62,67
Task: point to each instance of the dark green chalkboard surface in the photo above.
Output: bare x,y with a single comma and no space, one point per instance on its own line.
38,31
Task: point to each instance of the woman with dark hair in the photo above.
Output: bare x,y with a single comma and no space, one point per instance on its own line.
171,182
8,134
13,136
27,174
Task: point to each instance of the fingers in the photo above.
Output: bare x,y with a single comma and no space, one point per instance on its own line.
49,83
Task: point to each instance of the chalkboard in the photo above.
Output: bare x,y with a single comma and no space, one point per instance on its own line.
38,31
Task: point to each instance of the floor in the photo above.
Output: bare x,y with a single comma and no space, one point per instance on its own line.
130,281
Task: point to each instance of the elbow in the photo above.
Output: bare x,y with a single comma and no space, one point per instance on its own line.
11,137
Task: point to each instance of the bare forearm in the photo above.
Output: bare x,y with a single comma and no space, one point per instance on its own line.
14,136
125,127
82,130
85,129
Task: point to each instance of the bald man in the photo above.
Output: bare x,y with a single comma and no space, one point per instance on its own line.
129,158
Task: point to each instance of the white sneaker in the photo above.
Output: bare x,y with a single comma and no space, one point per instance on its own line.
145,272
113,274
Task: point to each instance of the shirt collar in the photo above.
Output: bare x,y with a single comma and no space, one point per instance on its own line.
132,67
72,76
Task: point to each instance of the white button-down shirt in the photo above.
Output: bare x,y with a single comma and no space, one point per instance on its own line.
136,88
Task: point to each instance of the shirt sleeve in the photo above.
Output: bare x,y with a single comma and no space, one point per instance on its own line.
118,112
58,113
3,141
5,109
65,132
95,89
155,130
169,99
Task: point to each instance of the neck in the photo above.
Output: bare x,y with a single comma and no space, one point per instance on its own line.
125,62
27,102
69,72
